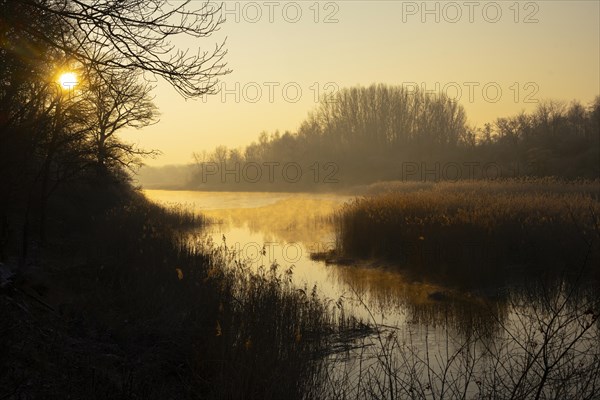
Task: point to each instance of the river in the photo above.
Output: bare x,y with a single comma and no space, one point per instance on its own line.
427,326
286,228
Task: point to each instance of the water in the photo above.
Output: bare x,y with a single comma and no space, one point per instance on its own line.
286,228
418,325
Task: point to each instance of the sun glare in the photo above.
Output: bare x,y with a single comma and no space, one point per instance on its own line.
68,80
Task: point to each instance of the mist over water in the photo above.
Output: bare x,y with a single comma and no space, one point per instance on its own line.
415,316
315,224
265,228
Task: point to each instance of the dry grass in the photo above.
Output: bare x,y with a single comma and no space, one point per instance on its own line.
141,312
443,227
546,349
136,311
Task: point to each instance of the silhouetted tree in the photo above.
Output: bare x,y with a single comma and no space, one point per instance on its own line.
49,135
117,100
369,132
136,35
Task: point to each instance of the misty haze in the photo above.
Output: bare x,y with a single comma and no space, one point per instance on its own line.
299,200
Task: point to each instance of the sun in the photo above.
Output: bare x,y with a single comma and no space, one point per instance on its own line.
68,80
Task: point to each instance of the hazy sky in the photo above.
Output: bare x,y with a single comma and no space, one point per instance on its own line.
499,57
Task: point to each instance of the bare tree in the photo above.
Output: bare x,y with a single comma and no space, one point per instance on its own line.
138,35
117,100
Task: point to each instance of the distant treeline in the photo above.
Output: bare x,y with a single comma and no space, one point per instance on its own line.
368,134
164,177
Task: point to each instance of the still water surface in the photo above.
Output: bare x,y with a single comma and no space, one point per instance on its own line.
426,325
285,228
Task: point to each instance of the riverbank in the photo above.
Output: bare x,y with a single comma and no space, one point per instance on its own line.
118,305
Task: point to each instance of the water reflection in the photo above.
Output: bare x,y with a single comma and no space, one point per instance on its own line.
424,328
390,293
285,228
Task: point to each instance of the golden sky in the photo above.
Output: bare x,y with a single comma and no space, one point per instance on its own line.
499,57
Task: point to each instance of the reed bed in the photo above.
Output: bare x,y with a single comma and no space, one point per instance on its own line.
138,311
141,310
472,226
